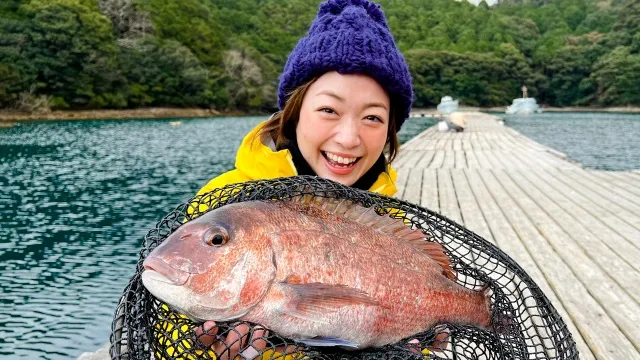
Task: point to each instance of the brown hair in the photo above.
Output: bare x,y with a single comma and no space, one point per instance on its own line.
281,127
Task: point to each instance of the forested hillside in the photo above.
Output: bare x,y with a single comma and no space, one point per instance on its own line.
226,54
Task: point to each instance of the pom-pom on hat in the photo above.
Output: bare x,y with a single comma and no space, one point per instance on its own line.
350,37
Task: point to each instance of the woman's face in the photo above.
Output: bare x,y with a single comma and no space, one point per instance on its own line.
343,125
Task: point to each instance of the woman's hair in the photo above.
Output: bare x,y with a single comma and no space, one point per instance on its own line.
281,127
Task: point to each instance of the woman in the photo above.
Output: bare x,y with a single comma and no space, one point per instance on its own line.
344,94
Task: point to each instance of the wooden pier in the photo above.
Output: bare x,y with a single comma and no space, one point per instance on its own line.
575,231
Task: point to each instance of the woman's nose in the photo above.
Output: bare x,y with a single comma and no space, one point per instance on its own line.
348,134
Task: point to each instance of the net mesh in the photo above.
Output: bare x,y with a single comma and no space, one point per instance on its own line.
145,328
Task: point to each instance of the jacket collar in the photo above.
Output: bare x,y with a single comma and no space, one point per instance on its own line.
258,159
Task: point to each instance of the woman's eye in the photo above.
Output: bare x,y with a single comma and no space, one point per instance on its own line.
374,118
327,110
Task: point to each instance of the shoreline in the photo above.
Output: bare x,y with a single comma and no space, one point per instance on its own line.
8,116
501,109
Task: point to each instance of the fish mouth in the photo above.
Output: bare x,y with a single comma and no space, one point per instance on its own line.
160,270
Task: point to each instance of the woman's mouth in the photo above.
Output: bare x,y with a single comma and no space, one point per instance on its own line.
338,164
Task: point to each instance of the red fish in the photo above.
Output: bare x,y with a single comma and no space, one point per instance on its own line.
319,271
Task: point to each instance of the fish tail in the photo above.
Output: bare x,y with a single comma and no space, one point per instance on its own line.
500,322
485,292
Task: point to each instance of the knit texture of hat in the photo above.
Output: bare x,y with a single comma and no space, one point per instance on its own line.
350,37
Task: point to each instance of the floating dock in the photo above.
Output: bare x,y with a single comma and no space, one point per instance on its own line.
575,231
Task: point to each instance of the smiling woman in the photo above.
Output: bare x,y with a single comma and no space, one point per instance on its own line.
343,95
343,126
337,126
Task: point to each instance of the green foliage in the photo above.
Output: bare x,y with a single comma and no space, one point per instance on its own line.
9,84
72,49
617,78
476,79
164,72
228,53
600,21
566,70
191,24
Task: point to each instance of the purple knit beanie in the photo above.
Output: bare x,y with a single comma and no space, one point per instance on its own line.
350,36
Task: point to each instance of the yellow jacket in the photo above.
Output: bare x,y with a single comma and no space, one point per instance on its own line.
258,161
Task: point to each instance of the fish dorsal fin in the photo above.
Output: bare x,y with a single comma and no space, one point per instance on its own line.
382,223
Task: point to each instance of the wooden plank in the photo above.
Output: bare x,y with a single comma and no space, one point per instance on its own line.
625,250
541,159
605,216
505,157
429,197
574,228
469,209
473,142
401,159
484,163
603,190
472,160
409,159
576,242
460,160
492,158
508,241
438,159
440,143
449,159
610,184
602,200
488,143
425,159
603,336
633,176
617,302
413,187
403,175
457,143
430,145
418,139
466,141
617,179
448,201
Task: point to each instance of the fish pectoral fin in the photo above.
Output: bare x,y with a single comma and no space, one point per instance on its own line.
327,341
314,300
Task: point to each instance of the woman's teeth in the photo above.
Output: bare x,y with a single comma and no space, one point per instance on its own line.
339,159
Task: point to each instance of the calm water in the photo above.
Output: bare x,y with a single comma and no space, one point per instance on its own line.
600,141
76,200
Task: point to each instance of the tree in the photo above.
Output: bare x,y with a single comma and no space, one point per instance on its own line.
617,76
129,22
229,53
72,48
165,73
191,24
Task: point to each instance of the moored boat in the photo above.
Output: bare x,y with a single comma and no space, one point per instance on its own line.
447,105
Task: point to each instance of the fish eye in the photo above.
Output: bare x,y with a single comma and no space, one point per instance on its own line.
216,237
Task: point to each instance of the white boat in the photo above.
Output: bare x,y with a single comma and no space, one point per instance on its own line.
523,106
447,105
